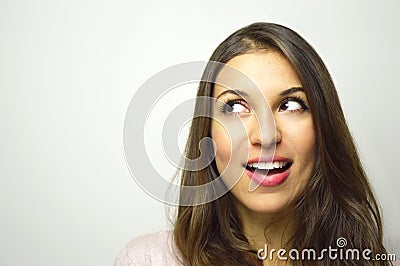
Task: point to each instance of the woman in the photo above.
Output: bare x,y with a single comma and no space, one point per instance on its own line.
296,185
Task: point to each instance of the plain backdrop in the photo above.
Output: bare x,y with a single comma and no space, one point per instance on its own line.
68,70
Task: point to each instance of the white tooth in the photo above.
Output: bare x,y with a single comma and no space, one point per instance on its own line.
254,165
268,165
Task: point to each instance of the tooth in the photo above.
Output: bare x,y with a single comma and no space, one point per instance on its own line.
268,165
262,165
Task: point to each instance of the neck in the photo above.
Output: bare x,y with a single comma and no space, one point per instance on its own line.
275,229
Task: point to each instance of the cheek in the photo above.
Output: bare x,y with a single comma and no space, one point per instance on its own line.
307,143
231,151
300,133
299,137
223,145
303,141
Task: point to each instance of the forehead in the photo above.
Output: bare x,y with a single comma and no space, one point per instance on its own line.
269,71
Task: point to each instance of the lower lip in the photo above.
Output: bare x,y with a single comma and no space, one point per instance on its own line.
268,180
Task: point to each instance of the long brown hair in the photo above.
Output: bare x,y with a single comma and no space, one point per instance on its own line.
337,201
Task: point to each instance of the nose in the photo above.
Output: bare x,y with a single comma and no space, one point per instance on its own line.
262,131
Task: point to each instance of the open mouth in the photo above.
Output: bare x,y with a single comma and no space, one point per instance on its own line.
268,168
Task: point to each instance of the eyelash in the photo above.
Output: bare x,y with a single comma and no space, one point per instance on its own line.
230,103
299,100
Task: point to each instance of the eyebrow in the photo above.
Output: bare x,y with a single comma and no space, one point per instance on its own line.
244,94
291,91
236,92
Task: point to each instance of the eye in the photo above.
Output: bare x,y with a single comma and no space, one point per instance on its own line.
235,106
293,104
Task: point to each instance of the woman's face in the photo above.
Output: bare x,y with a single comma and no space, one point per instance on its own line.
274,155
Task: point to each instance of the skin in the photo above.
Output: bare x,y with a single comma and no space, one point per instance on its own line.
293,139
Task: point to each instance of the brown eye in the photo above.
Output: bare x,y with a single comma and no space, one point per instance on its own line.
293,105
235,106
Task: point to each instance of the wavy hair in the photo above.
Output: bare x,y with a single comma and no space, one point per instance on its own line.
337,201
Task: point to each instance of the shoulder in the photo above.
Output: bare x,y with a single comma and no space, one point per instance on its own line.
151,249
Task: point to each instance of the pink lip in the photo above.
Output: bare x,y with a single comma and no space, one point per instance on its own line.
268,180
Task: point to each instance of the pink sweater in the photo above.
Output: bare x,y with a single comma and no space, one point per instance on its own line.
154,249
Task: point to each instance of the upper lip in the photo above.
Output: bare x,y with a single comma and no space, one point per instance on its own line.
269,159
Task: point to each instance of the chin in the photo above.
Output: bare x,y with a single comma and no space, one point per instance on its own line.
266,207
271,209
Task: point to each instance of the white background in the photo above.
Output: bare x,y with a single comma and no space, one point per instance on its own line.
68,70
